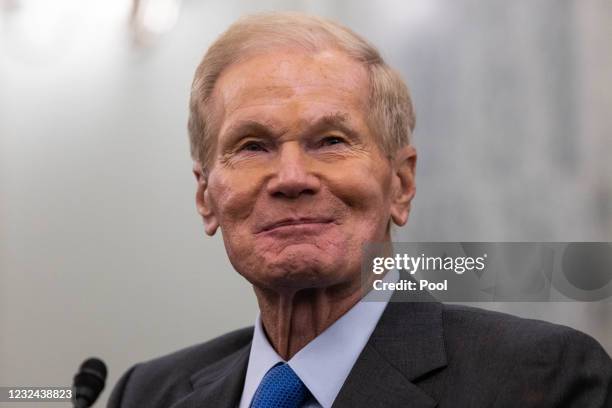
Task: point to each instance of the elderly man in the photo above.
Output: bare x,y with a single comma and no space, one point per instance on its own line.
300,135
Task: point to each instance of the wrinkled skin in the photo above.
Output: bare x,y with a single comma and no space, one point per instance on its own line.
298,184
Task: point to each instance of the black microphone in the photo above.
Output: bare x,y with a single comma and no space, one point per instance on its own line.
88,383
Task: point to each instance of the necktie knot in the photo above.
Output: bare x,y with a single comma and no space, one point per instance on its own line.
280,388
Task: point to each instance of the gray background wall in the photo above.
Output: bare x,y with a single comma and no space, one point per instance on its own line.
101,250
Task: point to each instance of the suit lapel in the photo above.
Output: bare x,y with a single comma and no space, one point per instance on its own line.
218,385
374,382
406,344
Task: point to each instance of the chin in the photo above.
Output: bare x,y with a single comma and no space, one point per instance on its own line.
300,267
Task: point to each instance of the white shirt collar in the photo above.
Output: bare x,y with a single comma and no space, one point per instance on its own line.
324,363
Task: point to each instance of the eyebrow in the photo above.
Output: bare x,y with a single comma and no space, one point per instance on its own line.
248,127
338,120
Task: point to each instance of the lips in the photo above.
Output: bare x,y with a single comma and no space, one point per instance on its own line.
293,221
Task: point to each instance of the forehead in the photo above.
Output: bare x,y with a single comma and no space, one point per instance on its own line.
289,82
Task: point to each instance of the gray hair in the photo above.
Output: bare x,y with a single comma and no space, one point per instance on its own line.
391,114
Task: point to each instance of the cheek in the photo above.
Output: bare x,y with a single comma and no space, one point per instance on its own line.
233,197
364,189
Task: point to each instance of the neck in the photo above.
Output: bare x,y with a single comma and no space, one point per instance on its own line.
293,318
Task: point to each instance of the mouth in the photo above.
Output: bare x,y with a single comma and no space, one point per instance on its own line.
291,222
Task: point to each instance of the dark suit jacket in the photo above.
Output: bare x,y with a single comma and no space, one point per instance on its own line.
420,355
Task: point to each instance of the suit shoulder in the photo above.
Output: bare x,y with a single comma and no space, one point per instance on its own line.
460,315
515,336
165,379
175,369
193,358
526,362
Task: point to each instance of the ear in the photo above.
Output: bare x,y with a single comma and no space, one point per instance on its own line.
403,185
203,202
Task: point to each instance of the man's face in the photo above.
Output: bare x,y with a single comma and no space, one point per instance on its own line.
298,183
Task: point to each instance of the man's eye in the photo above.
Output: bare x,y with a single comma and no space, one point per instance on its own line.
332,140
253,147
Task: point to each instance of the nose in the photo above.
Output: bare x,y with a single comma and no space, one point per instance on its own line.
293,177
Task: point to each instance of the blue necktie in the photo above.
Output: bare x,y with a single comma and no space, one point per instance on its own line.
280,388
